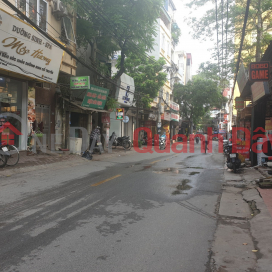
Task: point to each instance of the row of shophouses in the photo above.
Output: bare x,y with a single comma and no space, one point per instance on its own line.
35,81
253,109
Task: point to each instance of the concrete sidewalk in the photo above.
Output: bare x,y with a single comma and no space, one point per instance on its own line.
29,163
243,239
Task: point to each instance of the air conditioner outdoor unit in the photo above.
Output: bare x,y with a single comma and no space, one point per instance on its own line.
59,8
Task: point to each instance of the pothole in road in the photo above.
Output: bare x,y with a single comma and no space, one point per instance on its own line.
170,169
183,186
193,173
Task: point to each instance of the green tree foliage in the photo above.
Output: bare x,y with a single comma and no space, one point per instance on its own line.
231,16
148,77
176,32
120,25
196,98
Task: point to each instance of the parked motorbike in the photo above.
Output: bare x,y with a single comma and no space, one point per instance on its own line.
162,143
233,162
124,141
226,147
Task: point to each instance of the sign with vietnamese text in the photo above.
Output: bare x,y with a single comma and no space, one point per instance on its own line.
25,51
120,114
166,116
239,103
79,83
259,90
105,117
174,117
174,106
95,97
259,71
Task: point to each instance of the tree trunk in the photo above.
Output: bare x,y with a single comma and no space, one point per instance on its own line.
259,32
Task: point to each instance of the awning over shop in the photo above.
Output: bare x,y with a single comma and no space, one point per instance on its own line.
78,105
246,112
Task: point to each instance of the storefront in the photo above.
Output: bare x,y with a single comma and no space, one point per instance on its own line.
13,100
37,61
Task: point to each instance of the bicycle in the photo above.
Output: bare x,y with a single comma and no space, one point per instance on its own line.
9,155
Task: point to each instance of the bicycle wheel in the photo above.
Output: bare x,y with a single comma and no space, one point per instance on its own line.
14,155
3,160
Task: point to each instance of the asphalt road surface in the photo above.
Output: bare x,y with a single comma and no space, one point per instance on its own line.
144,212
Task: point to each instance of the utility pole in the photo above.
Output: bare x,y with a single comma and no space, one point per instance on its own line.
159,112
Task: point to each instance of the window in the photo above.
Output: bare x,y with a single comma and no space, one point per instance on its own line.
43,15
167,98
163,42
67,30
36,10
168,48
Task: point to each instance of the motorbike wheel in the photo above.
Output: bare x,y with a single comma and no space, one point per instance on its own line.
114,144
234,168
126,145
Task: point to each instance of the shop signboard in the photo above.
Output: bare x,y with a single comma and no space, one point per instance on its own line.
174,106
259,71
242,78
225,117
239,103
174,117
222,131
79,83
125,93
166,116
105,117
95,97
120,114
23,50
259,89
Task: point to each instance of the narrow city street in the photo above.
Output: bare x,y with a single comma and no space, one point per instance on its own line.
139,212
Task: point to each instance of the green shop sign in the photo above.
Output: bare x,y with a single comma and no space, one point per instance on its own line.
95,97
79,83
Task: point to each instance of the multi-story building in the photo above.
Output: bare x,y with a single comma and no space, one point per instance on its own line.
164,48
30,67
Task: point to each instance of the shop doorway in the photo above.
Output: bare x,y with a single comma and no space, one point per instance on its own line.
43,122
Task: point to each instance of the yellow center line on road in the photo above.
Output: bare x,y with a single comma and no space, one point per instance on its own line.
105,180
154,162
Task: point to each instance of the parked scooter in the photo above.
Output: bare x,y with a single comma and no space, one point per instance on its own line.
120,141
233,162
162,142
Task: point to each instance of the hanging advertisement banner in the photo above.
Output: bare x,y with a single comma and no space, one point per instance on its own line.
242,78
166,116
174,106
25,51
174,117
125,94
105,117
31,115
239,103
79,83
120,114
95,97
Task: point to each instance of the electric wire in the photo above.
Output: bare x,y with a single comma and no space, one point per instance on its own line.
240,49
38,29
217,35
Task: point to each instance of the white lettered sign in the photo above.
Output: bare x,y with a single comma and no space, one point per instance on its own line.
25,51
